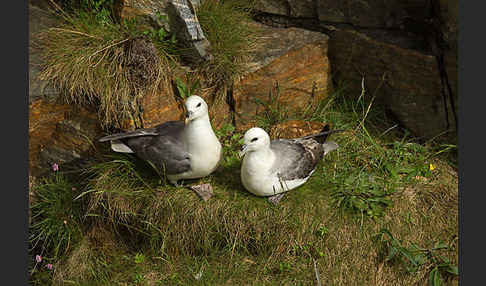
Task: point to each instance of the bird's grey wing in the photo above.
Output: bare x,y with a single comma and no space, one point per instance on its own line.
168,155
166,149
171,128
135,133
296,159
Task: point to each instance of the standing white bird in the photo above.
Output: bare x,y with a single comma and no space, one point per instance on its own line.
179,149
273,167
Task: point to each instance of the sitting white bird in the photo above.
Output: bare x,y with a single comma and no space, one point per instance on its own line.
179,149
270,168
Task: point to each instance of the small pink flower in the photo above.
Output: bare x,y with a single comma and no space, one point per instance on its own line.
38,258
49,266
55,167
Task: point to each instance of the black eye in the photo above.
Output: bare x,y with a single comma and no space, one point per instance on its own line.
199,104
254,139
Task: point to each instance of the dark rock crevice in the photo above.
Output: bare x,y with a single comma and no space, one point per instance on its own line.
440,48
230,100
395,36
415,27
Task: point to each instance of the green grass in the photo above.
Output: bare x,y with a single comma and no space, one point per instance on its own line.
55,221
414,257
226,26
55,216
274,111
375,212
376,180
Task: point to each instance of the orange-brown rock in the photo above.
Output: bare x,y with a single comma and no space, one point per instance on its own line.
295,129
43,118
219,110
60,133
128,9
295,60
158,108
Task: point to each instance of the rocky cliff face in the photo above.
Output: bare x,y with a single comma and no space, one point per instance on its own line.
294,59
58,132
405,50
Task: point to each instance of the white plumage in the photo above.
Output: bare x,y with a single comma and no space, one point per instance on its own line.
273,167
181,149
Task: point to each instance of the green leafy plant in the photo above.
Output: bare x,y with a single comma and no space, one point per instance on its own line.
273,110
161,35
414,258
229,136
138,278
101,9
186,88
231,141
139,258
322,231
362,194
409,159
55,217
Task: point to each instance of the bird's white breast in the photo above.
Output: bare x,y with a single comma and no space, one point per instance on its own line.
204,149
257,178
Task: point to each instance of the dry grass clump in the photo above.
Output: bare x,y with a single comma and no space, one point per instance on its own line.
117,190
181,225
88,260
105,64
76,266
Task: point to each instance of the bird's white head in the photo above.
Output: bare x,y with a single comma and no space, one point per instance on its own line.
255,139
196,107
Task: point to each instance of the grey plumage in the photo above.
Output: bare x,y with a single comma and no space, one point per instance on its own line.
180,150
299,157
271,167
162,142
135,133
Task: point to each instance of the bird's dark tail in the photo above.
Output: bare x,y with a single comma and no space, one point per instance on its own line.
322,137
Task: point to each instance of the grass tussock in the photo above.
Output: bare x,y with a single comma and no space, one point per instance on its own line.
89,260
55,216
226,26
95,60
117,190
379,210
107,64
